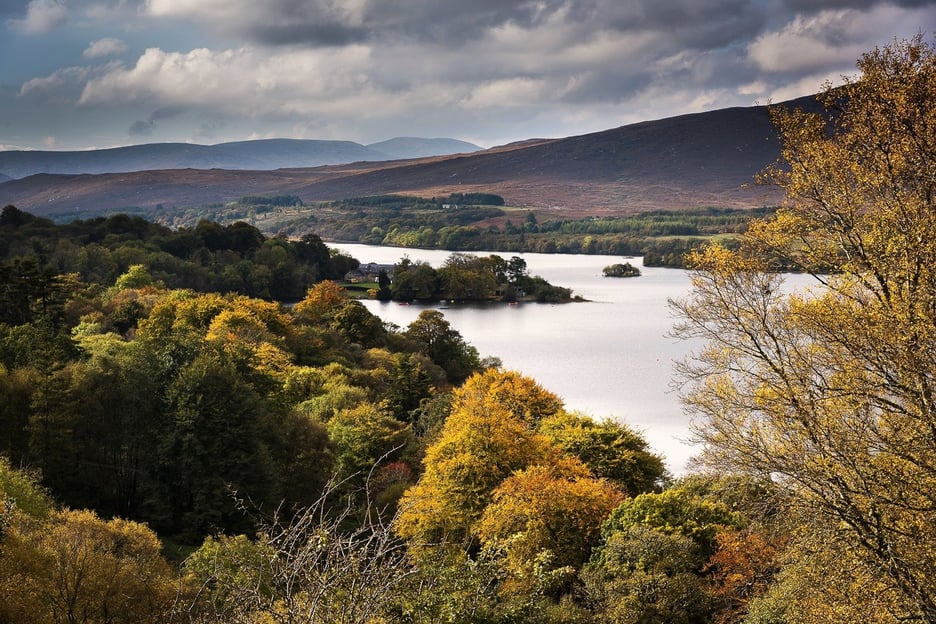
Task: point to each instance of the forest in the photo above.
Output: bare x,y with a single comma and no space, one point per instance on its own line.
177,453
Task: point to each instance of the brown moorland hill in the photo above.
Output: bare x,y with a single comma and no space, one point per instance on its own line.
702,159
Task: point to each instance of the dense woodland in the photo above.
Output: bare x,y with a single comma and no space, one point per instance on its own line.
236,258
174,454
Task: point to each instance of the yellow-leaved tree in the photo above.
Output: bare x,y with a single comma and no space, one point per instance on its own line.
485,439
75,567
498,492
832,393
545,520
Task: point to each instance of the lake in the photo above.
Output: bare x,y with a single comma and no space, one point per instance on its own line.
608,357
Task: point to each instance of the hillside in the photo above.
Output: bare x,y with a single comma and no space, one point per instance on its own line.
703,159
263,154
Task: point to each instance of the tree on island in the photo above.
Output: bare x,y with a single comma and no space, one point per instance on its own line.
625,269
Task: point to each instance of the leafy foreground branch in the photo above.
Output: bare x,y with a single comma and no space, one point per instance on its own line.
302,567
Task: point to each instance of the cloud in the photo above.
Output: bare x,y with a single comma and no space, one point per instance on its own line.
831,40
56,80
108,46
42,16
12,7
493,69
240,82
807,44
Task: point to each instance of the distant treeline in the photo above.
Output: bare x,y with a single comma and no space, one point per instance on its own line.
479,222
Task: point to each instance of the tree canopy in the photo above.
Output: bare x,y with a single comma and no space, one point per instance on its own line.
830,392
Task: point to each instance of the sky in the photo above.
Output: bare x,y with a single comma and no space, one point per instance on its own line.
86,74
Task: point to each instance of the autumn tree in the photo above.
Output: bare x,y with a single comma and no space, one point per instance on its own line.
521,396
821,579
546,519
321,302
74,567
830,393
486,437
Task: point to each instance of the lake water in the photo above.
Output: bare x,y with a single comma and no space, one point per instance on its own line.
608,357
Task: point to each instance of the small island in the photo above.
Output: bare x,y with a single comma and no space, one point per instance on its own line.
625,269
462,278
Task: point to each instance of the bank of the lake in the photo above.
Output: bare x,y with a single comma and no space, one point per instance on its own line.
608,357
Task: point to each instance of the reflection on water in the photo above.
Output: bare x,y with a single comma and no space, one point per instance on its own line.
609,357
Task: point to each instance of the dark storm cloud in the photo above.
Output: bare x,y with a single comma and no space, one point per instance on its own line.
317,22
142,127
312,22
702,24
696,23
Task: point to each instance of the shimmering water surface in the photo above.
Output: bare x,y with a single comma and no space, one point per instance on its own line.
608,357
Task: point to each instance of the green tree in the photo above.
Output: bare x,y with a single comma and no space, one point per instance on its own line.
643,576
17,386
611,450
135,277
21,491
435,337
364,437
829,393
414,281
409,385
466,277
357,325
625,269
516,270
217,445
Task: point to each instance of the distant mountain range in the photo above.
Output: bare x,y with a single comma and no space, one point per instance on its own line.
260,155
703,159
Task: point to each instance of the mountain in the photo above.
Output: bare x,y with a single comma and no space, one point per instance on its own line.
702,159
412,147
263,154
